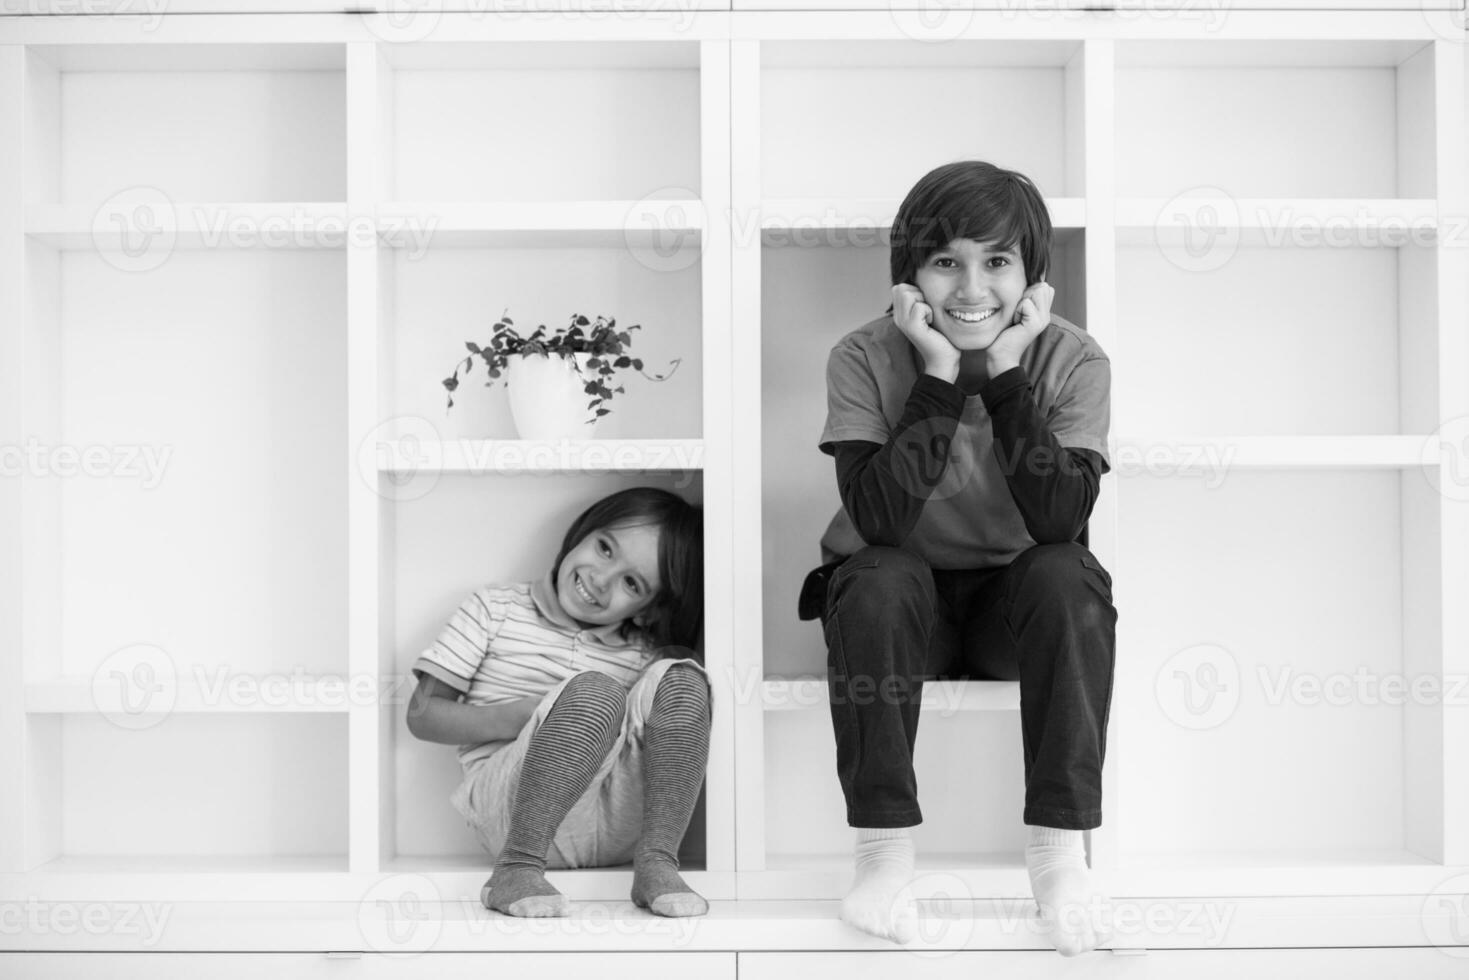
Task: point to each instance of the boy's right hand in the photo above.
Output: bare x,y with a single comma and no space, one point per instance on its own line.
915,318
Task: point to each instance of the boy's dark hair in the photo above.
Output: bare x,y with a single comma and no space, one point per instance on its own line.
676,617
970,199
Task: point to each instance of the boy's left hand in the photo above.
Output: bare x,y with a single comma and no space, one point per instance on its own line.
1032,314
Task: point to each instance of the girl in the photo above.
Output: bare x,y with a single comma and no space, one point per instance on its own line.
584,725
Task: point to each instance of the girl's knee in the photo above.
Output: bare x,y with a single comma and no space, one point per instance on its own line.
669,683
594,692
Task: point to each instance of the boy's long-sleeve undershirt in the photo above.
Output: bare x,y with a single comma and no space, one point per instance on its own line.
884,487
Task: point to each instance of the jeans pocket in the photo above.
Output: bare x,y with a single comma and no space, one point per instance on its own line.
1090,561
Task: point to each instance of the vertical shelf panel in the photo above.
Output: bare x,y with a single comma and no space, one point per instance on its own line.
716,94
1451,126
365,781
745,441
1092,80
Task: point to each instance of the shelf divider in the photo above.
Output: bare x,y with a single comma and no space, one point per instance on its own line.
367,741
1092,86
747,550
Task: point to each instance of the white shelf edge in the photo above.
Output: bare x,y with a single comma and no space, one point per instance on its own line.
149,221
224,694
795,213
508,456
1193,454
670,214
1299,221
945,697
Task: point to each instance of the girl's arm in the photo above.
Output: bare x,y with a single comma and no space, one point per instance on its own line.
435,714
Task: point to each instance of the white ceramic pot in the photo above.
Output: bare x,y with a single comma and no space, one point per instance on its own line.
548,398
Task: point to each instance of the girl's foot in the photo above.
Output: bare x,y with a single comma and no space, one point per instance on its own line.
523,892
658,887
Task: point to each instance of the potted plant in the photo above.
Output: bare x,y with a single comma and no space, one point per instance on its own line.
549,376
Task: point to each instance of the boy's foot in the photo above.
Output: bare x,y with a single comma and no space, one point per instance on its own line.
523,892
880,901
1061,883
658,887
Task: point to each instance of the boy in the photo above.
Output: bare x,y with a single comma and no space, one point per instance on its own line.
969,428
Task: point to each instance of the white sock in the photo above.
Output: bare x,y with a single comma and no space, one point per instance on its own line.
880,901
1061,883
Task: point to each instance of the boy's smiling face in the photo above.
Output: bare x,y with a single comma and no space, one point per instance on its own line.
610,575
965,279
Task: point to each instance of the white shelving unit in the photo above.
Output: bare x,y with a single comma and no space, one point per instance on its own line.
252,245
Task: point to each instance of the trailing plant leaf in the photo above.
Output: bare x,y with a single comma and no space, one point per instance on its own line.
607,345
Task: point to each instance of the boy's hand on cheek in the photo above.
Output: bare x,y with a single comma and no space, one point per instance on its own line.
915,318
1032,314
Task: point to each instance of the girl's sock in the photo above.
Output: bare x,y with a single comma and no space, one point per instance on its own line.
563,755
1061,883
675,752
880,901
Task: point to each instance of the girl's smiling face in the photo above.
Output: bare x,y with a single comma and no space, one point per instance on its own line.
610,575
966,279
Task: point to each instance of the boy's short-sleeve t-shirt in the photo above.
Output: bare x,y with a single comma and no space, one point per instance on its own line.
969,520
511,642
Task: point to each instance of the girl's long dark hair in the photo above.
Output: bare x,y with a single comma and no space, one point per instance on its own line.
675,619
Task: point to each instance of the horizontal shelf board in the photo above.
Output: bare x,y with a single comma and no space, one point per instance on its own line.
431,55
186,864
202,56
1363,859
1197,454
1246,873
508,456
866,55
373,922
1153,8
148,222
856,214
552,224
1302,222
1274,53
945,697
936,861
207,692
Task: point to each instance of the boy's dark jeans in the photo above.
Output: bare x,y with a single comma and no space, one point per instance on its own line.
1046,619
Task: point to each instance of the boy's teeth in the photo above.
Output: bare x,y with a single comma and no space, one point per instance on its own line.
971,317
